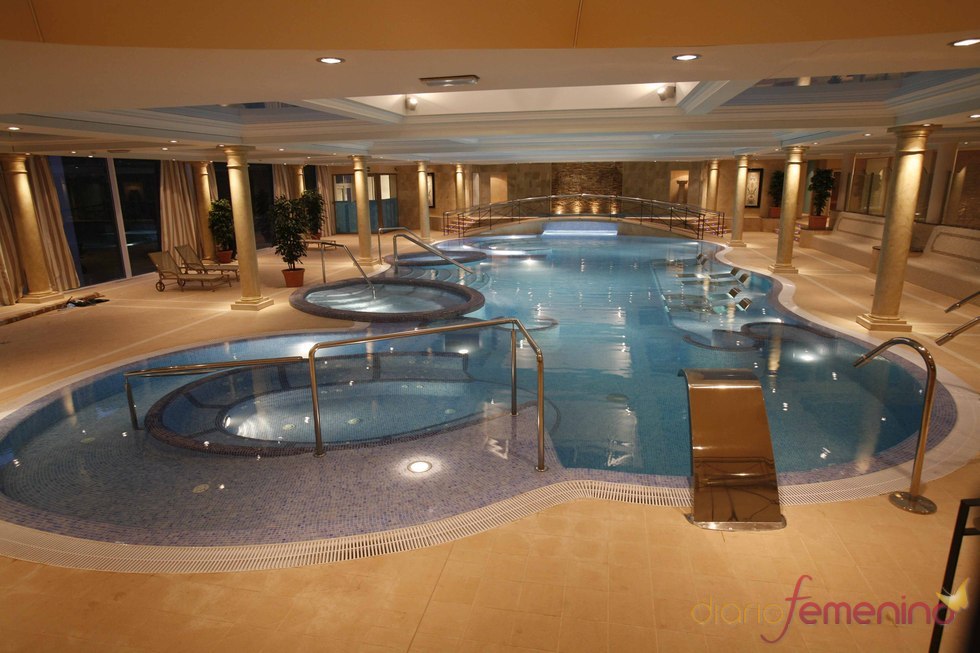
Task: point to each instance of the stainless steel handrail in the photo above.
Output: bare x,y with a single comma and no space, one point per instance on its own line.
356,264
946,337
195,368
912,501
385,230
428,248
515,324
953,307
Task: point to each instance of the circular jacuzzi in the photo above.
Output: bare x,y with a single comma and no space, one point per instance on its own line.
388,300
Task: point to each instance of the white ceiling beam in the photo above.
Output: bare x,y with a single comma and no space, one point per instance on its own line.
705,97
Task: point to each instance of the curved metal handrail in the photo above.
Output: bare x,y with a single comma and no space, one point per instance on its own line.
946,337
912,501
956,305
681,214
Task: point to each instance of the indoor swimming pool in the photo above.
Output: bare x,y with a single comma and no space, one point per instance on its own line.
616,316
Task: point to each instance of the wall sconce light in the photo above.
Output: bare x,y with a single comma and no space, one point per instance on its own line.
411,102
667,92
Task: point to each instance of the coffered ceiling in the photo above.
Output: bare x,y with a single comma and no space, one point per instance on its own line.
559,80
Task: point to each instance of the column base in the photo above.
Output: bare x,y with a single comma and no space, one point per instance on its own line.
252,304
783,268
736,243
41,297
367,261
875,323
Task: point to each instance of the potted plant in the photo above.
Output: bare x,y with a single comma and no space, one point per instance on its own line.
776,193
311,206
221,221
822,185
288,225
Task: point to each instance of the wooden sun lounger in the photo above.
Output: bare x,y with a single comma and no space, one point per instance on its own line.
193,262
168,270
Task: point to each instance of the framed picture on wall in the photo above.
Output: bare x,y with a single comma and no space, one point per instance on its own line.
753,188
430,188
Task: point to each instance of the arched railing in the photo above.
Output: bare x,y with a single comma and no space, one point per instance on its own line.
685,218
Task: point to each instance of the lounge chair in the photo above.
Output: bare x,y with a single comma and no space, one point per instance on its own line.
168,269
193,262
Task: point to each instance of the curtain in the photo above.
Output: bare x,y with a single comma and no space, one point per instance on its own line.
57,254
11,281
212,183
280,181
324,186
178,223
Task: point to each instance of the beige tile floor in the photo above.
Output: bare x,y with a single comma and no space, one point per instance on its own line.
587,576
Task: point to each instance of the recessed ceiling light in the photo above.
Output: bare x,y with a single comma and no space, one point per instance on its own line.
14,129
450,80
330,61
164,148
816,143
282,149
74,152
867,134
975,115
173,141
686,57
962,43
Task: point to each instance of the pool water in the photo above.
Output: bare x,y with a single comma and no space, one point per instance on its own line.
616,317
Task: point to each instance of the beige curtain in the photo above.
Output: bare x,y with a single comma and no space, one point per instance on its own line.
57,254
324,186
11,281
280,181
212,183
178,224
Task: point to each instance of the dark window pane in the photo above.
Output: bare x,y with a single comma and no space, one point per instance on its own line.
89,217
139,196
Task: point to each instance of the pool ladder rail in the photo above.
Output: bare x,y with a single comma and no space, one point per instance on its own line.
409,236
734,485
514,323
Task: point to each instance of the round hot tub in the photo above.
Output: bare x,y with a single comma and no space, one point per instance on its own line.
388,300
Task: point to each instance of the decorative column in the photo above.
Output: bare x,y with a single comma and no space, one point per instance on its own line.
942,171
296,182
903,195
789,211
460,187
241,208
28,233
424,201
364,254
682,191
738,212
713,185
202,193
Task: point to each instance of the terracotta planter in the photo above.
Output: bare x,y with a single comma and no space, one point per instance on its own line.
293,278
224,255
817,222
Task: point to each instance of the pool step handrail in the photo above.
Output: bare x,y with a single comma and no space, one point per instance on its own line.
956,305
966,326
515,324
734,486
912,501
356,264
408,235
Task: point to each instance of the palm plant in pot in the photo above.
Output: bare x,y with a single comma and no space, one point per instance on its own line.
288,225
311,206
776,192
822,185
221,222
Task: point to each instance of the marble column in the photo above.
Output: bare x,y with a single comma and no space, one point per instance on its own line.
903,194
942,171
296,182
682,191
27,231
241,208
713,185
738,211
202,196
424,202
789,211
460,187
364,254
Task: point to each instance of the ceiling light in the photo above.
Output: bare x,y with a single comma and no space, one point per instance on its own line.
330,61
14,129
975,115
962,43
164,148
450,80
411,102
867,134
173,141
282,149
686,57
666,92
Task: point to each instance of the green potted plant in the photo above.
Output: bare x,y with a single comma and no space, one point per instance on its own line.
221,221
822,185
776,193
288,225
311,206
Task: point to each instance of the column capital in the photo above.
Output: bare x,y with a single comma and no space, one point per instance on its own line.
422,166
358,161
237,149
14,162
794,153
713,164
742,160
912,138
200,166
